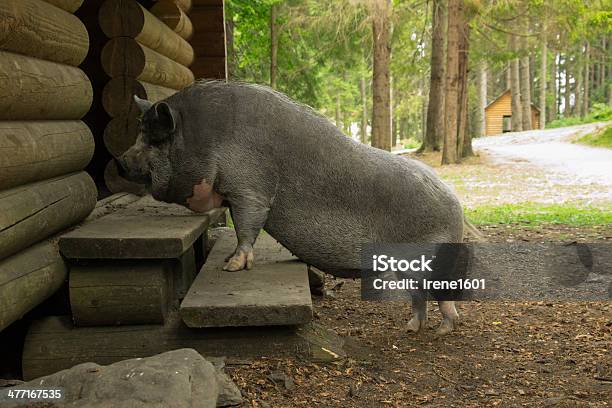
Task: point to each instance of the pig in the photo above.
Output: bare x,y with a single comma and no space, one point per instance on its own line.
283,167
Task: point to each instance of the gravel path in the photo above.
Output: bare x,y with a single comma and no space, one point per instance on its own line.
553,151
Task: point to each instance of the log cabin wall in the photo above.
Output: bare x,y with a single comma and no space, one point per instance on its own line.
44,146
68,71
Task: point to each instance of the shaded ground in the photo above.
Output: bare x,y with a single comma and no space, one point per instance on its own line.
503,354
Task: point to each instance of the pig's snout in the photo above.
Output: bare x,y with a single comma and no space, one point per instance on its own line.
131,168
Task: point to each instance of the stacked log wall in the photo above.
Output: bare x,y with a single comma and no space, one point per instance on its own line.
144,56
44,146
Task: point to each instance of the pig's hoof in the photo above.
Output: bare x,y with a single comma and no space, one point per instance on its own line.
415,324
240,260
445,327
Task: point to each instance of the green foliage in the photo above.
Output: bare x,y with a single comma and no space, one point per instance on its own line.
537,214
599,138
598,113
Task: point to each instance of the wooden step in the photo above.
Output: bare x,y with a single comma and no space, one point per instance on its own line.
146,229
274,292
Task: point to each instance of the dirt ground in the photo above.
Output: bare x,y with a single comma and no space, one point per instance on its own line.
506,354
502,354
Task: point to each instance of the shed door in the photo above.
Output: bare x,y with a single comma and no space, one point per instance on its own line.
507,124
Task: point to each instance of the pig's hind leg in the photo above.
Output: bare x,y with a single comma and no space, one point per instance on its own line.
249,218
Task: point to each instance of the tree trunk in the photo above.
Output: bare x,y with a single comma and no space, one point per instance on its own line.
449,152
543,72
337,117
567,90
553,89
273,46
381,106
481,91
578,93
515,86
586,95
434,128
364,111
525,88
462,101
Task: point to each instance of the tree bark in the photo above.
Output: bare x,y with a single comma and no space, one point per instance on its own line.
381,107
543,72
449,152
553,90
463,132
586,95
364,111
578,92
273,46
381,86
434,129
515,86
567,91
525,88
481,86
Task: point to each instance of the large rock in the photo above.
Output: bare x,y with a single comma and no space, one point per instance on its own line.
179,378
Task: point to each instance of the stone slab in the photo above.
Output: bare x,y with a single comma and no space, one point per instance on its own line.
274,292
145,229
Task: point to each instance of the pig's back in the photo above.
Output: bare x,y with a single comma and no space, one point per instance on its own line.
335,194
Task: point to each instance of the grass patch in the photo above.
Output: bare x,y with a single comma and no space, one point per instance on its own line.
411,143
599,113
599,138
538,214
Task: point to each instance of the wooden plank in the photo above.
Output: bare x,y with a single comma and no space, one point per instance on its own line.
37,150
127,18
53,343
34,89
209,44
28,278
123,56
68,5
35,211
147,229
274,292
39,29
171,13
119,292
210,68
118,95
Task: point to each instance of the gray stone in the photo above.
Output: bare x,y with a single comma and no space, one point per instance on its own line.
178,378
274,292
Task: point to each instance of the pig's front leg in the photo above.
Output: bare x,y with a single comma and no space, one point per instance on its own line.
249,218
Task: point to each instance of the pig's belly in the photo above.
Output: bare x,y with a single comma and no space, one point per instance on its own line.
333,247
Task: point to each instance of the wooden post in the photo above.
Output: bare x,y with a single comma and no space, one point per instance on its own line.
124,56
118,95
28,278
69,5
34,89
174,17
35,211
36,28
116,292
127,18
38,150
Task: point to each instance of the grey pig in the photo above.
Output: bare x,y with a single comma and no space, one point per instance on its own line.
283,167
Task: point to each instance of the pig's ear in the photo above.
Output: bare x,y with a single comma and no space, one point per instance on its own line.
142,104
165,116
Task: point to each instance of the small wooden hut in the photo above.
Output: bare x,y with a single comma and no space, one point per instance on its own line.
498,115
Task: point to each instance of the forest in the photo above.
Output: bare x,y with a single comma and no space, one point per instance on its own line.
406,74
